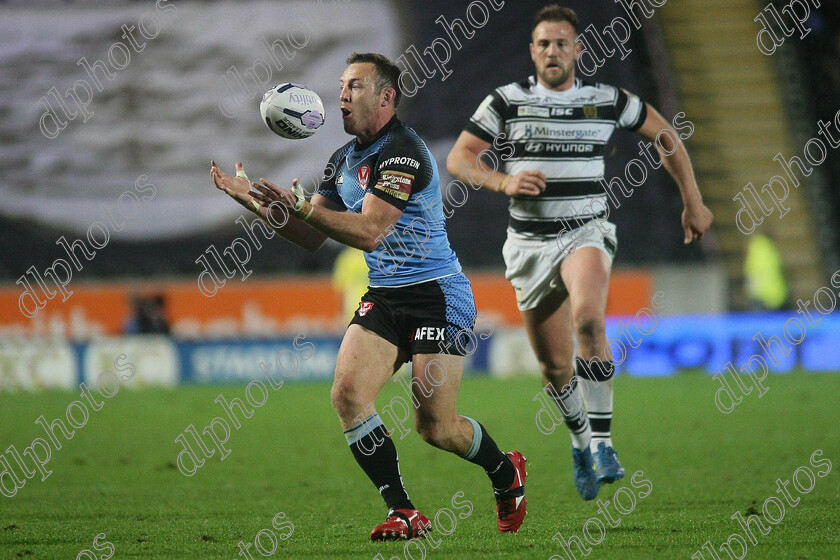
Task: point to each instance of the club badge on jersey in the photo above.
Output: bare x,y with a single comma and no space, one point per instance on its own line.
363,176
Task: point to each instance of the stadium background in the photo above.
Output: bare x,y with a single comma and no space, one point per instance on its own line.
178,103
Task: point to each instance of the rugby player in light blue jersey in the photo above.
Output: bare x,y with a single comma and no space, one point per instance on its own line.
381,194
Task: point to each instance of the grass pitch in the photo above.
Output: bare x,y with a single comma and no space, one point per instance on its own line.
117,476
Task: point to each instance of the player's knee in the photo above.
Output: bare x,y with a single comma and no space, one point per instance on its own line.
431,430
590,328
344,397
557,370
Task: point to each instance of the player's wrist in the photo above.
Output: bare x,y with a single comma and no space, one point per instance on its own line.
692,201
302,208
305,211
503,184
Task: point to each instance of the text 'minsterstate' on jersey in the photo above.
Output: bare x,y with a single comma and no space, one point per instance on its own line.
563,134
398,168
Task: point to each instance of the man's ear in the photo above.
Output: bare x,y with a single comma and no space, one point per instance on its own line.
389,95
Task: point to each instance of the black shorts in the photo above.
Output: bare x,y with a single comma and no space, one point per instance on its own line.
434,317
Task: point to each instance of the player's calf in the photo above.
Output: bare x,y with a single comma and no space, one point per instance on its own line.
398,419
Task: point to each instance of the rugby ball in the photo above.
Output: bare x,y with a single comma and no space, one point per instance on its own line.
292,111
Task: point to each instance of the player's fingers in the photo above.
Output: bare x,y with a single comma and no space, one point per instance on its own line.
539,180
536,175
262,198
265,194
267,189
239,166
270,185
534,185
528,189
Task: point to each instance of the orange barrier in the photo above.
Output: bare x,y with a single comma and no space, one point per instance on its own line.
255,307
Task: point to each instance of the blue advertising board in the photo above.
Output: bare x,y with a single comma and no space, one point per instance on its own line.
784,341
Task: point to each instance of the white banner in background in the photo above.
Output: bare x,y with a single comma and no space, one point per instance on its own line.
154,358
37,364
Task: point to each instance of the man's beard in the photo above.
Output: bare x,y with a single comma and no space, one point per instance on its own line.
559,79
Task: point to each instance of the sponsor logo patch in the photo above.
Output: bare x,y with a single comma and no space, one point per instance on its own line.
396,184
530,111
428,333
557,147
364,307
400,161
563,111
560,132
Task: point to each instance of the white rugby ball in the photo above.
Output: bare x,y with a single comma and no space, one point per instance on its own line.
292,111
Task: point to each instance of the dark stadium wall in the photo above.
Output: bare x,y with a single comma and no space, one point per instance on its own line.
49,185
648,222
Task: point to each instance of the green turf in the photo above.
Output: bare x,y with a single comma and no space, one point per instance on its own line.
117,475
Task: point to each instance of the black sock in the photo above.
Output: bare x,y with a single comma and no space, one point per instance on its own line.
485,453
377,455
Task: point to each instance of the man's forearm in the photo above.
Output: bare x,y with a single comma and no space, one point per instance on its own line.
348,228
678,165
464,165
291,228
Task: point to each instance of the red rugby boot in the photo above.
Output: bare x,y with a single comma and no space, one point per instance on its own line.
402,524
511,504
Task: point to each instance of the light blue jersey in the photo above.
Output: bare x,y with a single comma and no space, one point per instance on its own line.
398,168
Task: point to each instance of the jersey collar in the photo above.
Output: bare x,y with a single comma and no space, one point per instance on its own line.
357,147
543,91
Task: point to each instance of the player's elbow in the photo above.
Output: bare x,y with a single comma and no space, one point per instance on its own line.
317,244
370,243
453,161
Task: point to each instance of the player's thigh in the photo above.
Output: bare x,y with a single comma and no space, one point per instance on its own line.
586,275
438,380
364,364
549,329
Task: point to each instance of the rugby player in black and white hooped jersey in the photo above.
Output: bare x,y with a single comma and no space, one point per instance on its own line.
560,244
381,194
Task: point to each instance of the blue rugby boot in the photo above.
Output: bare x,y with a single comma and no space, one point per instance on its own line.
584,470
607,467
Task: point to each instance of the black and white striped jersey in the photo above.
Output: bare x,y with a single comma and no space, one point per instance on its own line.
563,134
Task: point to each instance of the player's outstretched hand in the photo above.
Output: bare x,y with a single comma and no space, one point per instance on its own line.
238,183
267,192
293,200
695,221
238,187
524,183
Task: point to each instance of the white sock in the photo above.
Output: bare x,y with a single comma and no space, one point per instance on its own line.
570,404
599,406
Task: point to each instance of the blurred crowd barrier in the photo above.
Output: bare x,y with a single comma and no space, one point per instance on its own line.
711,343
258,308
174,334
